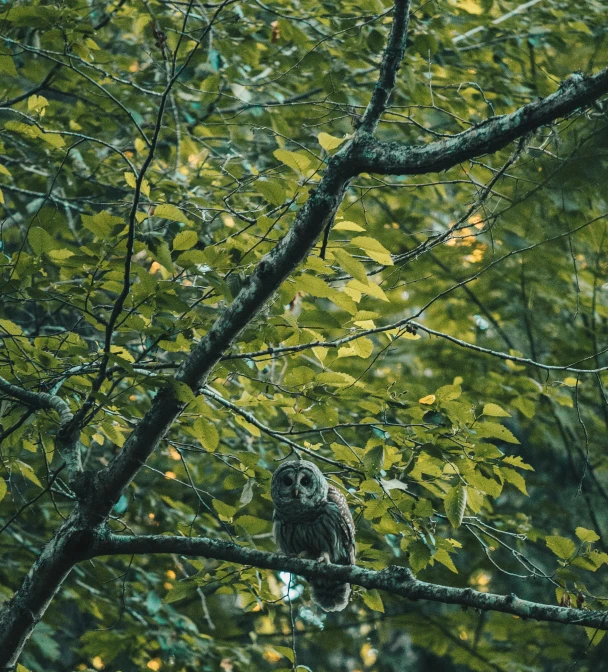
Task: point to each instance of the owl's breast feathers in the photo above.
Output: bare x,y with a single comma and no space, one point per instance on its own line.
326,528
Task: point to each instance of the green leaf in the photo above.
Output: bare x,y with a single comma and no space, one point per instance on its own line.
295,161
455,503
182,391
223,509
180,591
7,66
40,240
448,393
207,434
373,600
29,473
562,547
172,213
419,556
101,224
252,525
513,477
350,265
484,484
185,240
516,461
445,559
271,190
595,635
373,460
3,489
493,430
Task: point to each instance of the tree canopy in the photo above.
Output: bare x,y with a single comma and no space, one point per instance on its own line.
364,233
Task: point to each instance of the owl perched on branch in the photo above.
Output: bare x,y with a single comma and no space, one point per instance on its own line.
312,520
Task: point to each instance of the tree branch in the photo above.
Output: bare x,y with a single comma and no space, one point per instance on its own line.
393,158
391,60
395,579
67,441
296,447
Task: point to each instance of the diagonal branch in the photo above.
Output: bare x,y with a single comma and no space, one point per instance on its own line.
296,447
393,158
391,60
395,579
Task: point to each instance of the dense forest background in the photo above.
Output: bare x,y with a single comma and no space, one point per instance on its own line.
435,340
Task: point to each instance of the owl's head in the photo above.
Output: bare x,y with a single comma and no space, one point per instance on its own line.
298,486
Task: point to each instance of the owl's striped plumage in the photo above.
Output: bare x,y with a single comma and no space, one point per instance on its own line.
312,520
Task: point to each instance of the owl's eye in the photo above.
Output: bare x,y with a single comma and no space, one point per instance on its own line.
306,481
287,480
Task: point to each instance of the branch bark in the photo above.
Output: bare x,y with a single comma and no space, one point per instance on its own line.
392,158
67,440
395,579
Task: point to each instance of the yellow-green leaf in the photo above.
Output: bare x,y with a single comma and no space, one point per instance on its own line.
374,249
495,410
455,503
7,66
293,160
347,226
419,556
588,536
252,429
29,473
185,240
2,489
329,142
207,434
223,509
561,546
444,558
171,212
371,289
373,600
351,265
515,478
516,461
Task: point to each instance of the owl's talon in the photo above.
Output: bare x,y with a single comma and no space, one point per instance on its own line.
324,559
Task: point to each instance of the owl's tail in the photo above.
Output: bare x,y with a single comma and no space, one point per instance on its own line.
329,595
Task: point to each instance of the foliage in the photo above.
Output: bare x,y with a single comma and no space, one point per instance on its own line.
473,467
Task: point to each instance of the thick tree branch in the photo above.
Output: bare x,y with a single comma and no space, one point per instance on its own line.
393,158
395,579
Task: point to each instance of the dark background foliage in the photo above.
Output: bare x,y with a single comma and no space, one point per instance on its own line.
507,252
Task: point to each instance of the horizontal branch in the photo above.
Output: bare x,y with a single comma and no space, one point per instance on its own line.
393,158
67,439
395,579
38,400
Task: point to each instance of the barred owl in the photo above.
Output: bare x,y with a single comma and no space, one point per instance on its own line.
312,520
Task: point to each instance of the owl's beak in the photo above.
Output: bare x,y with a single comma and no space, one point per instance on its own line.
296,493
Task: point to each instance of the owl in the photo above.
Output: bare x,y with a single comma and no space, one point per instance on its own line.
312,520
